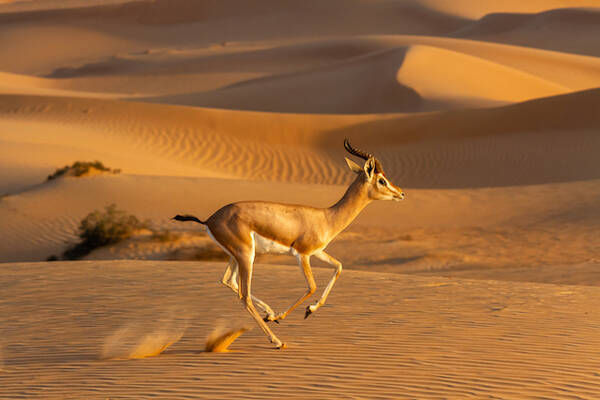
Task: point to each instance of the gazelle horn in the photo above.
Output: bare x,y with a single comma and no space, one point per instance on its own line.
362,154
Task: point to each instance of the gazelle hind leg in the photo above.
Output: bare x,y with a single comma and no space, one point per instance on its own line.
230,279
245,271
338,270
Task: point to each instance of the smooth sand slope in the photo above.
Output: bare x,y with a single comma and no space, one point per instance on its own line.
402,337
570,30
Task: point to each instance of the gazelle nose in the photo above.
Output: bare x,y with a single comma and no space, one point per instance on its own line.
402,195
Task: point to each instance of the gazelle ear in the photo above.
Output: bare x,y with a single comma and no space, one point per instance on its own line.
353,166
369,167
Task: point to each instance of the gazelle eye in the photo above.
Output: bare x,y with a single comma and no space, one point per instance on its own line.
382,182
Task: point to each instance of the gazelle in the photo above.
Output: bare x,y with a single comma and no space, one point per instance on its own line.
245,228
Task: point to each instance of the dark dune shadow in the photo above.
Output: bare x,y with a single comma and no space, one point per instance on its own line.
558,29
360,85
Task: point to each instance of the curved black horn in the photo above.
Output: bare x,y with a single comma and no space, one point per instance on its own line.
362,154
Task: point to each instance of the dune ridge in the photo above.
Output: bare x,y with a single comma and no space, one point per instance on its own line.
293,58
475,10
401,79
545,30
167,12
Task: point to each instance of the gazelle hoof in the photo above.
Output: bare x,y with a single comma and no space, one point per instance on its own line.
269,318
308,312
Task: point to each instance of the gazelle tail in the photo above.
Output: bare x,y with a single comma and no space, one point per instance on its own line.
188,218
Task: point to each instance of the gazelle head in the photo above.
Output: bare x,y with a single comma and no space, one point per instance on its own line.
380,188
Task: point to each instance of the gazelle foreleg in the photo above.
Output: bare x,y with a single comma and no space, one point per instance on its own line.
338,270
304,261
230,279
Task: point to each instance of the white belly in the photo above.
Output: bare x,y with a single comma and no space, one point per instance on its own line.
263,245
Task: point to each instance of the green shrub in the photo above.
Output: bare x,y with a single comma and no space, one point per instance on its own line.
80,168
99,229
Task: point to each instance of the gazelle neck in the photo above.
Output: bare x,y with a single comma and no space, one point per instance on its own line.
342,213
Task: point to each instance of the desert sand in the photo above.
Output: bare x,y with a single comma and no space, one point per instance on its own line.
482,283
383,335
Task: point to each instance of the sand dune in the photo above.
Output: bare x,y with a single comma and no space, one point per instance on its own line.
28,5
571,30
435,337
471,9
400,79
349,88
23,52
136,26
300,19
214,142
29,85
552,66
216,67
456,76
577,112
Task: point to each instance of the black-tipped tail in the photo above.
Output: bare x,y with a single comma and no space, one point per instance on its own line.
188,218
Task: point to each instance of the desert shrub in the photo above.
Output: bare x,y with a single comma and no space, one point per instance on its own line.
80,168
102,228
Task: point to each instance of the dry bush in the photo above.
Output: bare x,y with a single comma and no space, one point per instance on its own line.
80,168
102,228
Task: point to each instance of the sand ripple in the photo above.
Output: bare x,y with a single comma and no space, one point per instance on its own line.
402,337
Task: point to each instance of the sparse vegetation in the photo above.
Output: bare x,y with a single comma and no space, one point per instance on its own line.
102,228
111,226
79,168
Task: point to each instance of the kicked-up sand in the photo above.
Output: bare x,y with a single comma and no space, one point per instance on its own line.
482,283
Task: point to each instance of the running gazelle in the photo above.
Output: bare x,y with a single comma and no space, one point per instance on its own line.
245,228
